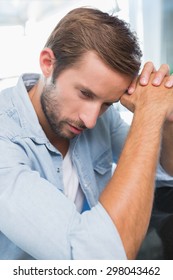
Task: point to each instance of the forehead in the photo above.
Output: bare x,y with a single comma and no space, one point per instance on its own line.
93,72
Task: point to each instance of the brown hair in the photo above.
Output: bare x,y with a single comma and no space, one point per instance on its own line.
88,29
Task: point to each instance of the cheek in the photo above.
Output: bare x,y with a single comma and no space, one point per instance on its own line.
70,107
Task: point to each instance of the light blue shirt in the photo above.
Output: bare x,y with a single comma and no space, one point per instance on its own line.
37,220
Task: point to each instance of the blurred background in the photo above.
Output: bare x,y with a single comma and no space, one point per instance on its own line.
26,24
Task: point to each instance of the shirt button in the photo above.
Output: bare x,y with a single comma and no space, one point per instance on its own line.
58,170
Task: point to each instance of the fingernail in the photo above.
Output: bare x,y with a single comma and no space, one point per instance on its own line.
130,90
168,84
156,81
143,81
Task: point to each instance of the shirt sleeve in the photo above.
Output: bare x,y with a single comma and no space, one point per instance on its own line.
119,130
163,179
40,220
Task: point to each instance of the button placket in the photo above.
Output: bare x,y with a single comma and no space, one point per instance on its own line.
58,170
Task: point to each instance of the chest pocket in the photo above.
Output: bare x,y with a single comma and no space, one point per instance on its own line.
103,168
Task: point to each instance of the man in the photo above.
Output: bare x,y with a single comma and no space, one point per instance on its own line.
59,136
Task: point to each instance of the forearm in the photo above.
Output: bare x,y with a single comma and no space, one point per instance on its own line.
166,158
129,195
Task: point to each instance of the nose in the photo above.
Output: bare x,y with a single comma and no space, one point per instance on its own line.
89,116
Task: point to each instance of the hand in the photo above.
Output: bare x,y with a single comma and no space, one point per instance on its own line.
157,78
158,99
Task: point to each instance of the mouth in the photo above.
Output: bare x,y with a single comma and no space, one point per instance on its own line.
75,129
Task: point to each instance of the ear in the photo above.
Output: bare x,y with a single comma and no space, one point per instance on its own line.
47,60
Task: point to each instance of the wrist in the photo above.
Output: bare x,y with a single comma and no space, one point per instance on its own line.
150,116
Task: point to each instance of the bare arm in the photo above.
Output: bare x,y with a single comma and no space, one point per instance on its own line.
129,195
158,77
166,158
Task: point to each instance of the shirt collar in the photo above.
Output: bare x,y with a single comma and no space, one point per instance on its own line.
28,117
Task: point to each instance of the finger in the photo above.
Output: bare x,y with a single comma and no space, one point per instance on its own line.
160,74
169,82
146,73
132,86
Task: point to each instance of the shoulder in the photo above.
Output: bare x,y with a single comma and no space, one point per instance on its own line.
9,116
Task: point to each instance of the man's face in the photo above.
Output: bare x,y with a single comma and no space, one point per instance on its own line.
80,95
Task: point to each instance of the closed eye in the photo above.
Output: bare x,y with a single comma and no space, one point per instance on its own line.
87,94
90,95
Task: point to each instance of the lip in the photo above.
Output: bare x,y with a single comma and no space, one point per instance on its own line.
74,129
